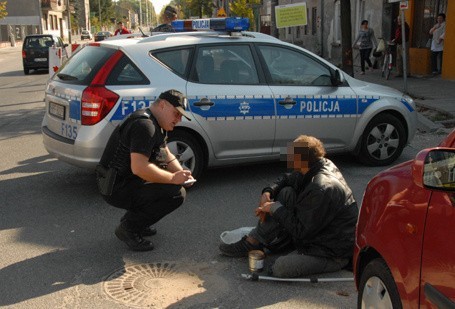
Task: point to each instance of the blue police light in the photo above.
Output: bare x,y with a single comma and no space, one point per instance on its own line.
228,24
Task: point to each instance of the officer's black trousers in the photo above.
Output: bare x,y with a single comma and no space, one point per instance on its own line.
146,203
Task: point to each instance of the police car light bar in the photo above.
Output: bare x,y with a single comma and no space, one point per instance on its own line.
228,24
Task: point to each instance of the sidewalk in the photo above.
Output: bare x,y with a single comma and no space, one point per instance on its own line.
430,92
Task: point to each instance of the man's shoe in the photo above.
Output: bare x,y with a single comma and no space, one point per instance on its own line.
148,231
240,248
134,240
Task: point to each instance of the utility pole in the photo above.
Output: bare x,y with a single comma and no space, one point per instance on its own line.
140,13
69,19
99,12
146,13
346,39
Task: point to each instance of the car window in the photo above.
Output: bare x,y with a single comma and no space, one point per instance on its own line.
39,42
176,59
84,65
224,64
126,73
290,67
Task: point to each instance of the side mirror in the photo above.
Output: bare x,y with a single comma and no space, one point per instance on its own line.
435,169
336,77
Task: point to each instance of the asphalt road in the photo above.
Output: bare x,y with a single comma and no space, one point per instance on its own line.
57,244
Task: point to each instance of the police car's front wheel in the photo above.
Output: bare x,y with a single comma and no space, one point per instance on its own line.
188,151
383,140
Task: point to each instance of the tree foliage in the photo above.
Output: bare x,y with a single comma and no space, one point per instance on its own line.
3,12
244,8
192,8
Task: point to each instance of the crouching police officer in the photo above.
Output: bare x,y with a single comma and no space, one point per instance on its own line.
137,172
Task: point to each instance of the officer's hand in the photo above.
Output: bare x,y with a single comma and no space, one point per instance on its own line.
180,177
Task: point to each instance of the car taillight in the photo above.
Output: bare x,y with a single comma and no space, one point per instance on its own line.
24,54
97,101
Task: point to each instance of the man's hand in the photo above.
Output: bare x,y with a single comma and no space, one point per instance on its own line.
180,177
263,210
265,197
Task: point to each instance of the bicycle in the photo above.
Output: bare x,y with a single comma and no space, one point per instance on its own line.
387,60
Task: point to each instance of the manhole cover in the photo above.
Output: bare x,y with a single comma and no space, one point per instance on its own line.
152,285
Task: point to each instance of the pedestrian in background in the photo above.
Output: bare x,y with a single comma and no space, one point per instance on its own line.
121,29
437,43
398,39
169,15
366,39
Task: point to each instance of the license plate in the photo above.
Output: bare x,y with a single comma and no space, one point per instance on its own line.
57,110
40,59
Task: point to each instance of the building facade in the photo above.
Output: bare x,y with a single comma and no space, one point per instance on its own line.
42,17
322,34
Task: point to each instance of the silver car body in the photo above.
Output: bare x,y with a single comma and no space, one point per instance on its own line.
237,123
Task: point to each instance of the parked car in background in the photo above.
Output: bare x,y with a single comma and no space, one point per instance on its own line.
86,35
249,94
102,35
404,253
35,51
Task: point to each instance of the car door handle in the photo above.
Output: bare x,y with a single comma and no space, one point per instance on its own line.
287,101
204,102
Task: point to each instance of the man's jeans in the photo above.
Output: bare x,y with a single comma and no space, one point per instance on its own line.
293,264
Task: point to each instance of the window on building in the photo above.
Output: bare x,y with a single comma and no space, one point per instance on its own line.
55,22
305,29
337,23
297,35
314,20
46,22
52,22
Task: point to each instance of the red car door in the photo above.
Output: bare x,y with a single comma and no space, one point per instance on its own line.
438,252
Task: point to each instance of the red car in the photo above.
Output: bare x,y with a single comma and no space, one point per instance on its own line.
404,254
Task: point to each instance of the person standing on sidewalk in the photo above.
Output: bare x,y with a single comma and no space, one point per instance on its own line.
398,39
137,172
437,43
366,39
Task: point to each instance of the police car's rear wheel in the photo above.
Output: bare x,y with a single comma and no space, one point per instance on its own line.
188,151
383,140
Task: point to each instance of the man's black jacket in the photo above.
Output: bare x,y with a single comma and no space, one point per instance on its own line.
322,223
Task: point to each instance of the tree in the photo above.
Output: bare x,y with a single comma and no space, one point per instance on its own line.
243,8
3,12
346,39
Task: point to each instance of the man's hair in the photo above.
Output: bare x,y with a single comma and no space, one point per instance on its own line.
314,146
364,22
119,22
442,15
170,12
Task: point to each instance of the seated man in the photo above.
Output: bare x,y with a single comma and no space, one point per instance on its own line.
313,206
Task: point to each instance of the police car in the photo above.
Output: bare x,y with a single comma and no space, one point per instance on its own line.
249,94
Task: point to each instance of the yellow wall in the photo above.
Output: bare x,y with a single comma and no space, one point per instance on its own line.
448,63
